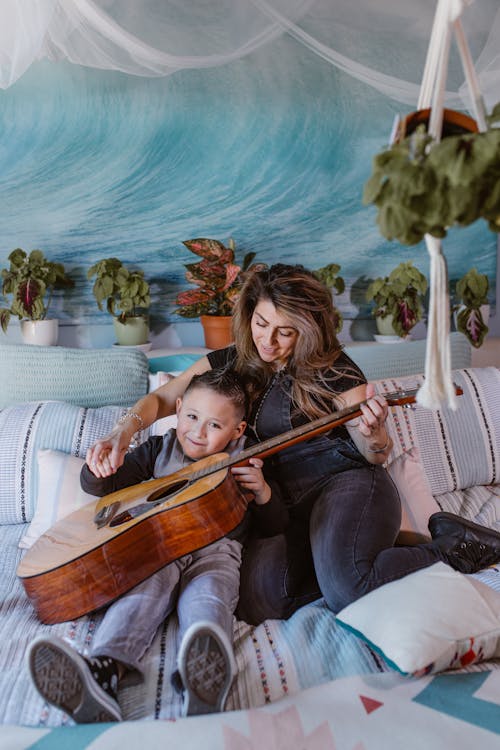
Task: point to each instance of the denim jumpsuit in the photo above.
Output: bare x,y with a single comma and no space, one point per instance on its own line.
345,516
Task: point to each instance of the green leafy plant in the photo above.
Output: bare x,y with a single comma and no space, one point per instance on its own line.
472,291
31,280
401,295
125,291
217,277
329,275
421,186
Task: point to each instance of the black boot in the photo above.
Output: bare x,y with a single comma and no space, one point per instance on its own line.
467,546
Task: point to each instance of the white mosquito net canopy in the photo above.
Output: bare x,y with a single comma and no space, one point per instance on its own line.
383,43
160,37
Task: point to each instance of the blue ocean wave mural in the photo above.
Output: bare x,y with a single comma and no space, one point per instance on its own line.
272,150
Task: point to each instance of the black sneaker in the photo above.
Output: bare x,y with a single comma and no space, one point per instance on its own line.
85,689
467,546
207,668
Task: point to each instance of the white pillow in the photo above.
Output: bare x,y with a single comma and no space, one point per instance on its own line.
161,426
417,500
429,621
59,492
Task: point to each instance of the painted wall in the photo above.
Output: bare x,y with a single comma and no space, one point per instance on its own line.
272,150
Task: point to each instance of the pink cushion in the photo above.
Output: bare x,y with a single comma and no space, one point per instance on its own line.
417,501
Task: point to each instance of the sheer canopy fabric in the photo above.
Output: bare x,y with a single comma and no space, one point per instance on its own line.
160,37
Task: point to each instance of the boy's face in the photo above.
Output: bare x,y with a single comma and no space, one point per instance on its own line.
206,422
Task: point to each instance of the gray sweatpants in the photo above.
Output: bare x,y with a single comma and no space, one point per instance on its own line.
203,585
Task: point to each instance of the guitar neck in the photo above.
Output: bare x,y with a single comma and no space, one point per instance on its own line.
305,431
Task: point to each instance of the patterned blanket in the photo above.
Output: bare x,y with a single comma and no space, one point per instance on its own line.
370,712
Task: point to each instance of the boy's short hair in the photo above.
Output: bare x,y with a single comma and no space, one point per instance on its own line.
225,382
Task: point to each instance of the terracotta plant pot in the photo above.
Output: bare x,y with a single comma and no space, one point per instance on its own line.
217,330
454,123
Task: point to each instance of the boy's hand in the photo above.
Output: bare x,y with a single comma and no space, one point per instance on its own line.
251,479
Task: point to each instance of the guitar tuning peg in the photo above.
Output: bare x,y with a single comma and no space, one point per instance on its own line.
409,406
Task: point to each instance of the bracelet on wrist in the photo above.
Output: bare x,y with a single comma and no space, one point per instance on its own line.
383,448
132,415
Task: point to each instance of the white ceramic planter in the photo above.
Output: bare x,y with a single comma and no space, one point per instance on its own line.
387,334
40,332
384,325
134,331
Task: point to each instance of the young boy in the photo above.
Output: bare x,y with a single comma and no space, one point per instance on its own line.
203,585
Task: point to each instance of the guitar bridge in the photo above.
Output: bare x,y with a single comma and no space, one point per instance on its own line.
105,514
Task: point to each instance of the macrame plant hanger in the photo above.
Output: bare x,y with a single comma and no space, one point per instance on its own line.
438,389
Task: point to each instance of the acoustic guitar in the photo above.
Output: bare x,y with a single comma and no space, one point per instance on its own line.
91,557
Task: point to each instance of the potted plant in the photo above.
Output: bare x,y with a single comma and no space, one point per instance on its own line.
218,280
398,299
329,275
421,186
471,315
31,280
127,297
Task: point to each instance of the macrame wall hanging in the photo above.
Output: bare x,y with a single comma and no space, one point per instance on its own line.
438,388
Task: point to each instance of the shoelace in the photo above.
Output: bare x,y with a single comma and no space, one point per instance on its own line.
473,552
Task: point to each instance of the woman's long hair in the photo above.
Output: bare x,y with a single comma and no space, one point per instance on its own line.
307,303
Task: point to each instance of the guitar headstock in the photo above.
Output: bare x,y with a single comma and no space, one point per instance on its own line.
409,396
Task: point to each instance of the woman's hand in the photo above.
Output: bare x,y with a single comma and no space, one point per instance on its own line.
251,479
368,431
107,454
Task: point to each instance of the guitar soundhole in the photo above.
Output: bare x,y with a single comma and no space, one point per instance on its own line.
164,493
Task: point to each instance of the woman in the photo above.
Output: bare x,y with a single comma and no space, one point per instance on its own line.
344,509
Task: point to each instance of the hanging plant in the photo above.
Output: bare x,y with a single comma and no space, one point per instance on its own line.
421,186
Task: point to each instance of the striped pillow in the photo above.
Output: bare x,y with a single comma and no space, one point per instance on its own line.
458,449
29,427
461,449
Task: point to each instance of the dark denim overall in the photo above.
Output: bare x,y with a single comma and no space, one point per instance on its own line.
345,517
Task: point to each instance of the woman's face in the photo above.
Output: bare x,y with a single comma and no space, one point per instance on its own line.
273,334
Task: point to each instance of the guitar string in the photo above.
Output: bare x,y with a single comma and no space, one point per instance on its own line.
297,432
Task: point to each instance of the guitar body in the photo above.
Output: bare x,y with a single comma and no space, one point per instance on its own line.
78,566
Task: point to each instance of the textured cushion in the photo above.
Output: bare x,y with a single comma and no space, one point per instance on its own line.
405,358
84,377
429,621
461,449
173,362
417,501
59,492
26,428
458,449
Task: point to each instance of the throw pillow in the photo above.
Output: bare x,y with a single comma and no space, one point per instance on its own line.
417,501
84,377
173,362
59,492
429,621
26,428
161,426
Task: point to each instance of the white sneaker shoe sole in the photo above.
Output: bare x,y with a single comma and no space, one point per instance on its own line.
207,667
65,680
